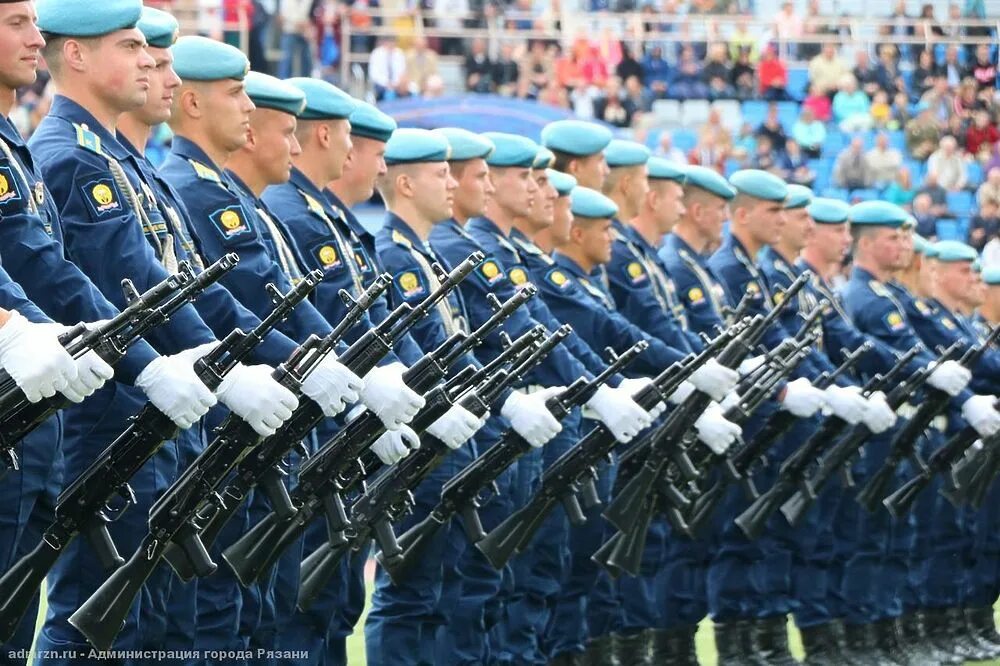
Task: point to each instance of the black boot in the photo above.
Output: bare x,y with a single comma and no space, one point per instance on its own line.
860,645
734,643
674,647
968,646
566,659
632,649
770,642
888,643
982,625
920,651
936,625
600,652
820,645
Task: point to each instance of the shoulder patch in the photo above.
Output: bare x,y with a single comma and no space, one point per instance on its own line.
327,256
559,279
10,189
102,196
879,289
204,172
695,295
231,221
895,321
635,273
410,284
87,139
518,276
490,272
398,237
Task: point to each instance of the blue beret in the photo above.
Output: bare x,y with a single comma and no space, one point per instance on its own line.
620,153
324,101
576,137
828,211
799,196
369,122
267,92
585,202
203,59
661,169
977,265
991,275
544,159
75,18
759,184
878,213
409,145
563,182
710,181
158,27
465,145
950,250
922,246
511,150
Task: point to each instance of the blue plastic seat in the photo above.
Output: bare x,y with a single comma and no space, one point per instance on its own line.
836,193
684,139
754,112
865,194
959,203
948,229
975,174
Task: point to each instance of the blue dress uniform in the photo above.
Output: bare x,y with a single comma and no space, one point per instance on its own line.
404,619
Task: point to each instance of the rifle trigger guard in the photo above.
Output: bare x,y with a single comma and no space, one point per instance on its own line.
127,495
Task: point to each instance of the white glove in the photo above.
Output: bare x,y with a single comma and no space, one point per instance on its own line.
251,393
681,393
388,397
33,357
751,364
633,385
92,373
950,377
714,379
978,411
879,416
731,400
394,445
846,402
619,412
456,427
802,399
715,431
332,386
529,416
172,386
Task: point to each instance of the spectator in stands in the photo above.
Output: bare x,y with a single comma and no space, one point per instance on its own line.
593,67
742,39
809,133
555,95
887,72
478,68
900,112
505,71
772,75
827,69
628,66
989,192
686,82
656,72
668,151
788,30
707,154
923,212
928,29
819,103
612,106
851,106
745,145
940,100
851,169
922,133
923,74
981,135
640,98
880,110
949,165
984,225
421,64
296,38
983,70
898,23
536,69
938,195
448,15
251,17
772,128
950,69
883,161
715,74
387,70
814,26
741,76
967,101
900,190
865,73
766,158
796,165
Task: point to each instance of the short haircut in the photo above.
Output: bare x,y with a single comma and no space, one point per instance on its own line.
52,51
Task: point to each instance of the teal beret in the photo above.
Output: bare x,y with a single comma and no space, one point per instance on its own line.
324,101
759,184
709,180
828,211
922,246
585,202
511,150
661,169
203,59
158,27
267,92
408,146
878,213
977,265
465,145
544,159
369,122
991,275
799,196
950,251
576,137
620,153
563,182
76,18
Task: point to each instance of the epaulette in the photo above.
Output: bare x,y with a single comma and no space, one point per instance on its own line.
87,139
204,172
398,237
879,289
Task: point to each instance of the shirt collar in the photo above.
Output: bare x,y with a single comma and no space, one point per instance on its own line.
395,223
485,224
681,245
67,109
300,181
570,265
188,149
10,134
862,275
